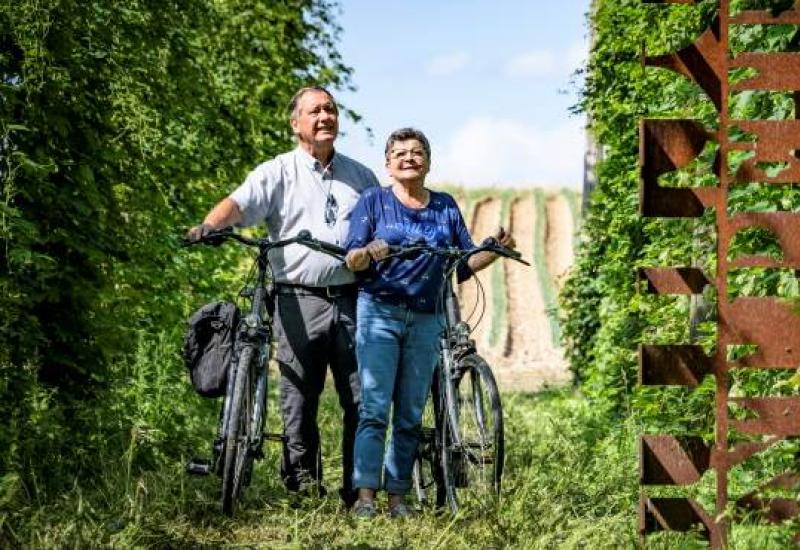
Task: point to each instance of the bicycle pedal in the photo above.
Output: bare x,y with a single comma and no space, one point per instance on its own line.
275,437
198,467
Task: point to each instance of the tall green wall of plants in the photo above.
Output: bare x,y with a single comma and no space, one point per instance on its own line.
121,123
607,316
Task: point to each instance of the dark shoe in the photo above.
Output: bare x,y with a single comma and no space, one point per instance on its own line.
305,492
400,511
349,497
365,509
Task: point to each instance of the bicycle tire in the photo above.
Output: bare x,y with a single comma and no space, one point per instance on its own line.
237,455
474,469
426,474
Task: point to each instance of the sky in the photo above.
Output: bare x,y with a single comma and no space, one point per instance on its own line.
490,84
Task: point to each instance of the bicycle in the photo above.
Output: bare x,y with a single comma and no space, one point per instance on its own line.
462,449
240,432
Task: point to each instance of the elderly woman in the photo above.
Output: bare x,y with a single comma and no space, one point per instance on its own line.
397,327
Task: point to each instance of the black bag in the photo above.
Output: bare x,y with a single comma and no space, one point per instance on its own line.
208,346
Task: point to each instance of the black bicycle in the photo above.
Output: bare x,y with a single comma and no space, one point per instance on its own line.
461,452
240,433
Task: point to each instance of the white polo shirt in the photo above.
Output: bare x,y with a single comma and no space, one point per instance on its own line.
289,194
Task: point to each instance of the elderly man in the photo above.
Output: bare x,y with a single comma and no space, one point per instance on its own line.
312,187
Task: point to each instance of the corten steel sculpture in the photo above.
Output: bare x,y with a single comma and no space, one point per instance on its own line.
764,322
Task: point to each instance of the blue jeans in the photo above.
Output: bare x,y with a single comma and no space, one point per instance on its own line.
397,350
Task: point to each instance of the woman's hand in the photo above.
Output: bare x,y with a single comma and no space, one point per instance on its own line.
482,259
505,238
358,259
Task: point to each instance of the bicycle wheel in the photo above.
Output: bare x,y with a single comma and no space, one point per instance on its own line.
476,459
427,472
238,459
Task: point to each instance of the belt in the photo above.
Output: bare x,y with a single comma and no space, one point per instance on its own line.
336,291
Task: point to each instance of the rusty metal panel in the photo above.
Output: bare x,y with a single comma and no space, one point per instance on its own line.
774,510
785,226
775,142
724,459
665,146
703,62
776,71
669,460
769,323
676,514
774,416
673,365
778,16
673,280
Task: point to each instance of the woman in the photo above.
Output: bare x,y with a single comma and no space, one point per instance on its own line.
397,327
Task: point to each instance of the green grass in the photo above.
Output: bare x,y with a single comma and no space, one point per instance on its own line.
570,482
540,263
499,305
554,497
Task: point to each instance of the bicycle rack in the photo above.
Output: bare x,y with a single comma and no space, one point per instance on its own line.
766,322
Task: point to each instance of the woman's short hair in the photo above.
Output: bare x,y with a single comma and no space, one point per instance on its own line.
293,103
404,134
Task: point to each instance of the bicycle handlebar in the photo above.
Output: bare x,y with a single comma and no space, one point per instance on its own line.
217,237
490,244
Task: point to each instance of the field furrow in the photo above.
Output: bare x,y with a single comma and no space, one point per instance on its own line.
559,239
476,311
530,360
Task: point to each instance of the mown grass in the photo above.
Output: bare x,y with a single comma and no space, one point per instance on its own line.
554,497
570,482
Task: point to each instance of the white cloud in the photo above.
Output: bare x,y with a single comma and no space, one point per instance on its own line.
447,64
530,64
500,152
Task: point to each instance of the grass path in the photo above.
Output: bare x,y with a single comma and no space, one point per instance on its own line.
551,499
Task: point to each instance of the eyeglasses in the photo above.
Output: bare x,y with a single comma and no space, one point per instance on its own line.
416,154
331,210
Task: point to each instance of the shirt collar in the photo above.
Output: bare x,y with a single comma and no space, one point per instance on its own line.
313,163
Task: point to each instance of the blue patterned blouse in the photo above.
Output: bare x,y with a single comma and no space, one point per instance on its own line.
415,282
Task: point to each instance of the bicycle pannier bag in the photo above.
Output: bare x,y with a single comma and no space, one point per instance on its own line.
208,346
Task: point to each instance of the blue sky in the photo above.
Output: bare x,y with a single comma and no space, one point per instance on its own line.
485,81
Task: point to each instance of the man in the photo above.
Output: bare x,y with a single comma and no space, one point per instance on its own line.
312,187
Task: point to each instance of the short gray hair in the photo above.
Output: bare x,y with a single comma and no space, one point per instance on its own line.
404,134
295,101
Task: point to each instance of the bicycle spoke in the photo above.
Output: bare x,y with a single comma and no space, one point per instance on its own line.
479,452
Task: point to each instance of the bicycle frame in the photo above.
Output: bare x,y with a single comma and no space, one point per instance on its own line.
254,330
454,344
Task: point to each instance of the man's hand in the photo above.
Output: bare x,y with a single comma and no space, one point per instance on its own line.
358,259
198,232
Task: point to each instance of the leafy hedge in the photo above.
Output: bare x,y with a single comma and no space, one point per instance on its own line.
606,315
120,124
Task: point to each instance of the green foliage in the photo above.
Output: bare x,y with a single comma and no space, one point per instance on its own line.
121,123
607,313
606,316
